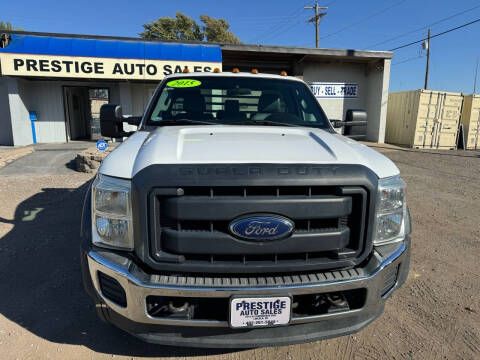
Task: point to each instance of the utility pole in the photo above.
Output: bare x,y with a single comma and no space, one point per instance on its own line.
316,19
476,74
428,59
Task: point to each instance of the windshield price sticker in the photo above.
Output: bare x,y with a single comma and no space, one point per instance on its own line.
334,90
184,83
260,311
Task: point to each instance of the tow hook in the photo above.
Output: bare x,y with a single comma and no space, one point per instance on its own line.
180,309
337,303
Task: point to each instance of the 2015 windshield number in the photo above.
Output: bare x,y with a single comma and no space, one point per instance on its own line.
184,83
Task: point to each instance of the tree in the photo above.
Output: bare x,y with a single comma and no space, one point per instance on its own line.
216,30
183,27
8,26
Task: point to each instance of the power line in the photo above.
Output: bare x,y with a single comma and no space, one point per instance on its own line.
293,25
408,60
273,28
279,29
359,21
423,27
363,20
261,18
284,30
294,15
436,35
261,21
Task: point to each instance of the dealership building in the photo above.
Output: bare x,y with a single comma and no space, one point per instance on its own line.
53,85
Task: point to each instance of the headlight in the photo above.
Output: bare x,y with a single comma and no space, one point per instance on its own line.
391,218
112,213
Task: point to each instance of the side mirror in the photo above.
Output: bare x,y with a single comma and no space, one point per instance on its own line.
356,116
111,121
352,118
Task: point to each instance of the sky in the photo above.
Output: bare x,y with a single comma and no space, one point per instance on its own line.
349,24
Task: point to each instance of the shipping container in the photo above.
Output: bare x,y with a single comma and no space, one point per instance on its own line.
423,119
471,121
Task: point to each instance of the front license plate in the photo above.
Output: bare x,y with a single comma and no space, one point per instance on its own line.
260,311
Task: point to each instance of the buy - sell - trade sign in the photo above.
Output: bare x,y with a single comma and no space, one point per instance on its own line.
97,68
334,90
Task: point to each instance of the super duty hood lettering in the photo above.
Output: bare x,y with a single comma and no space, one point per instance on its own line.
256,170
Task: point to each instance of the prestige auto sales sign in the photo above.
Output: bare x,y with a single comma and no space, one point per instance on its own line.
97,68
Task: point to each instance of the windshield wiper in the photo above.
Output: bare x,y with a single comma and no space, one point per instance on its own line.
265,122
185,122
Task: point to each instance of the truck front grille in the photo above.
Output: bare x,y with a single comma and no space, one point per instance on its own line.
191,228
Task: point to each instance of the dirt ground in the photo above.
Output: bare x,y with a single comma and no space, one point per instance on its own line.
9,154
44,313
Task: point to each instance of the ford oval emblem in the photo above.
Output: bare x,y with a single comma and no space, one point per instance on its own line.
261,227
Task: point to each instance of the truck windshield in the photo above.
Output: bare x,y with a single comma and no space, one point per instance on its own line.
235,101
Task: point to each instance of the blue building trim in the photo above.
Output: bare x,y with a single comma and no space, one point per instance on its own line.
33,118
118,49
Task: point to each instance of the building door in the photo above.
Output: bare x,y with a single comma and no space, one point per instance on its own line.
77,106
97,98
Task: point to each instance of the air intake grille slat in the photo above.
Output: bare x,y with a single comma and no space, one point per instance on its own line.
112,290
390,280
329,225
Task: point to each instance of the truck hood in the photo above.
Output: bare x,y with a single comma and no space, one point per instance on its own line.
240,144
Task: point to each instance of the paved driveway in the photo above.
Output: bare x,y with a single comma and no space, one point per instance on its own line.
47,159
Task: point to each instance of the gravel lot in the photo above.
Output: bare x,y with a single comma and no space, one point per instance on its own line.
45,314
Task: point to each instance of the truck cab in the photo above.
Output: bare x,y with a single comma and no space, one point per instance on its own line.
237,217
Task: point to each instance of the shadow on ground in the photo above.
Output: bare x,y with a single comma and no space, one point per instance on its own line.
40,281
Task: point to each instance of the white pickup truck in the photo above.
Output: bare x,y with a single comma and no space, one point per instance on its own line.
235,216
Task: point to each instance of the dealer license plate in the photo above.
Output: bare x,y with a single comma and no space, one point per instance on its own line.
260,311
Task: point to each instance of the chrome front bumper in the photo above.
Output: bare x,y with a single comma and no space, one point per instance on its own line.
138,285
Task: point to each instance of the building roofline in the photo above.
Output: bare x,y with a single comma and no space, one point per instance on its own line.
344,53
102,37
309,51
